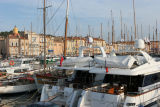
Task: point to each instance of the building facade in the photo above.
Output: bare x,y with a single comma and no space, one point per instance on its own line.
58,46
32,44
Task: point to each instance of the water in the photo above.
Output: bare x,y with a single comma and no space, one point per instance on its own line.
19,99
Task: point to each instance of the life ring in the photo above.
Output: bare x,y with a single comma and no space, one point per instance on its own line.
11,62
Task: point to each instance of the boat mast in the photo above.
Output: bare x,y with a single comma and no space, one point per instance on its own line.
124,33
112,28
66,25
135,34
127,31
108,33
149,34
101,31
131,35
31,41
156,36
44,29
121,26
89,30
142,32
24,41
76,30
153,40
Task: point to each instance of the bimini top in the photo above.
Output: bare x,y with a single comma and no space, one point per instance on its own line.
139,64
126,61
81,60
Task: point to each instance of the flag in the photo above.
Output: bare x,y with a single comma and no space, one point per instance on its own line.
61,61
106,69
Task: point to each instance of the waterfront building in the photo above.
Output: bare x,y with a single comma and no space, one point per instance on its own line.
16,44
2,46
108,48
32,44
50,45
73,44
58,46
33,40
123,45
155,47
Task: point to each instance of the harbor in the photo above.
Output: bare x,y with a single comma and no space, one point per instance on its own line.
88,59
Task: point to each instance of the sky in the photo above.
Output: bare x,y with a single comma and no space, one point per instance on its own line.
82,13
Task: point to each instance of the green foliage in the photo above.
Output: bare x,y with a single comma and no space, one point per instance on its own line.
6,33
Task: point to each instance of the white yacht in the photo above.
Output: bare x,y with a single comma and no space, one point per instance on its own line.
126,81
67,90
130,81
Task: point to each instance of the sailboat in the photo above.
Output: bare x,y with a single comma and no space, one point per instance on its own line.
47,77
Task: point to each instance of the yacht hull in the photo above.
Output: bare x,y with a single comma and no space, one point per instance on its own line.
17,89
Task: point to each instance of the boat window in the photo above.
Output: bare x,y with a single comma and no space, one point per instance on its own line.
130,82
26,62
3,71
151,79
17,71
25,70
83,78
17,62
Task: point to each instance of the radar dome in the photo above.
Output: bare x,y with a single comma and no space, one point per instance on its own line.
139,44
90,40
